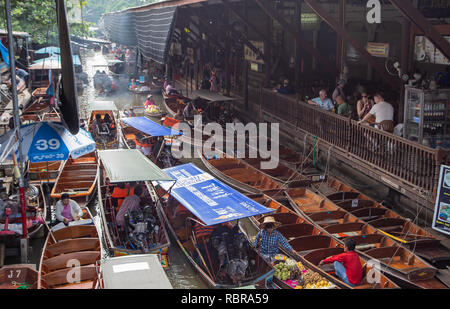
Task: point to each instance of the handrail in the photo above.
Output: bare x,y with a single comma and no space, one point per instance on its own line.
413,163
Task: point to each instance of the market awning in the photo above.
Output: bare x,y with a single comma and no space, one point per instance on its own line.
124,165
48,50
52,63
149,127
210,200
154,29
142,271
103,106
119,27
211,96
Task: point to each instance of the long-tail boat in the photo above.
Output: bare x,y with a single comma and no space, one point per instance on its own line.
106,136
78,178
388,222
134,168
173,103
69,256
19,276
239,174
397,261
312,244
220,209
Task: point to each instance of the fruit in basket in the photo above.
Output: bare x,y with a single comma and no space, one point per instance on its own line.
300,266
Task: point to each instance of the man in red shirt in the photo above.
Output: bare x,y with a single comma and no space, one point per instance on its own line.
347,265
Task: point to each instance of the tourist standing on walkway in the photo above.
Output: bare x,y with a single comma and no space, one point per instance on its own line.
338,91
213,82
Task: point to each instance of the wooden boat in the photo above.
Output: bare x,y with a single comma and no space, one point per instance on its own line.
117,241
397,261
238,174
74,251
78,178
282,173
51,116
19,276
108,137
153,89
312,245
37,106
389,222
43,172
174,103
258,272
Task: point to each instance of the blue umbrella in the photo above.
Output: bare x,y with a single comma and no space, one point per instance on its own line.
48,50
46,141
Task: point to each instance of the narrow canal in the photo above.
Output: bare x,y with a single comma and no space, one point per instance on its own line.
180,273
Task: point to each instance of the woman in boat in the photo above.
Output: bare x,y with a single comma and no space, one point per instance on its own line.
347,265
67,210
268,239
150,101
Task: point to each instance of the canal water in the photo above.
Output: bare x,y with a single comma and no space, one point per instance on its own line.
180,272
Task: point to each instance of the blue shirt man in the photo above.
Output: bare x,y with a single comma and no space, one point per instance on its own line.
268,239
322,101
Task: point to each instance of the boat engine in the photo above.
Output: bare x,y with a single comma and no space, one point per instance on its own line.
142,228
233,254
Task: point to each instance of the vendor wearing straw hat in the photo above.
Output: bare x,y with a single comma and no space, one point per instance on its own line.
268,239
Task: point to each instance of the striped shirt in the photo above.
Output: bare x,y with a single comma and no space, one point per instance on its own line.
269,244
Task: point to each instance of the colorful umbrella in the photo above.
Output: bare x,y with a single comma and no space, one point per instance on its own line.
46,141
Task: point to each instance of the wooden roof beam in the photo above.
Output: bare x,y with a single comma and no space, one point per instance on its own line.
415,16
241,37
350,39
264,5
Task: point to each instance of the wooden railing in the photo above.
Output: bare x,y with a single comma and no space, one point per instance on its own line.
405,160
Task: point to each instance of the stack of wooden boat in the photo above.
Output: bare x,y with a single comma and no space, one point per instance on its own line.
396,261
312,245
387,221
239,175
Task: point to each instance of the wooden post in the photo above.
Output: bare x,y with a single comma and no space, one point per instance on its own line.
298,54
340,41
268,52
438,158
406,44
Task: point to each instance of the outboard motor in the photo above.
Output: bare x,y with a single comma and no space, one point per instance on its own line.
238,255
142,228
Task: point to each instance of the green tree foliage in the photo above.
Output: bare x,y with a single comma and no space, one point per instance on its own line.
38,18
95,8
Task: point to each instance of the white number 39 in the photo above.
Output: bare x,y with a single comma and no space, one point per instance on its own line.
43,144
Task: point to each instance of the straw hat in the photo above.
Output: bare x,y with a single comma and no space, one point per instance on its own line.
269,219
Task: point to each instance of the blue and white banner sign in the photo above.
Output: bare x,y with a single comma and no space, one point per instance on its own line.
209,199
